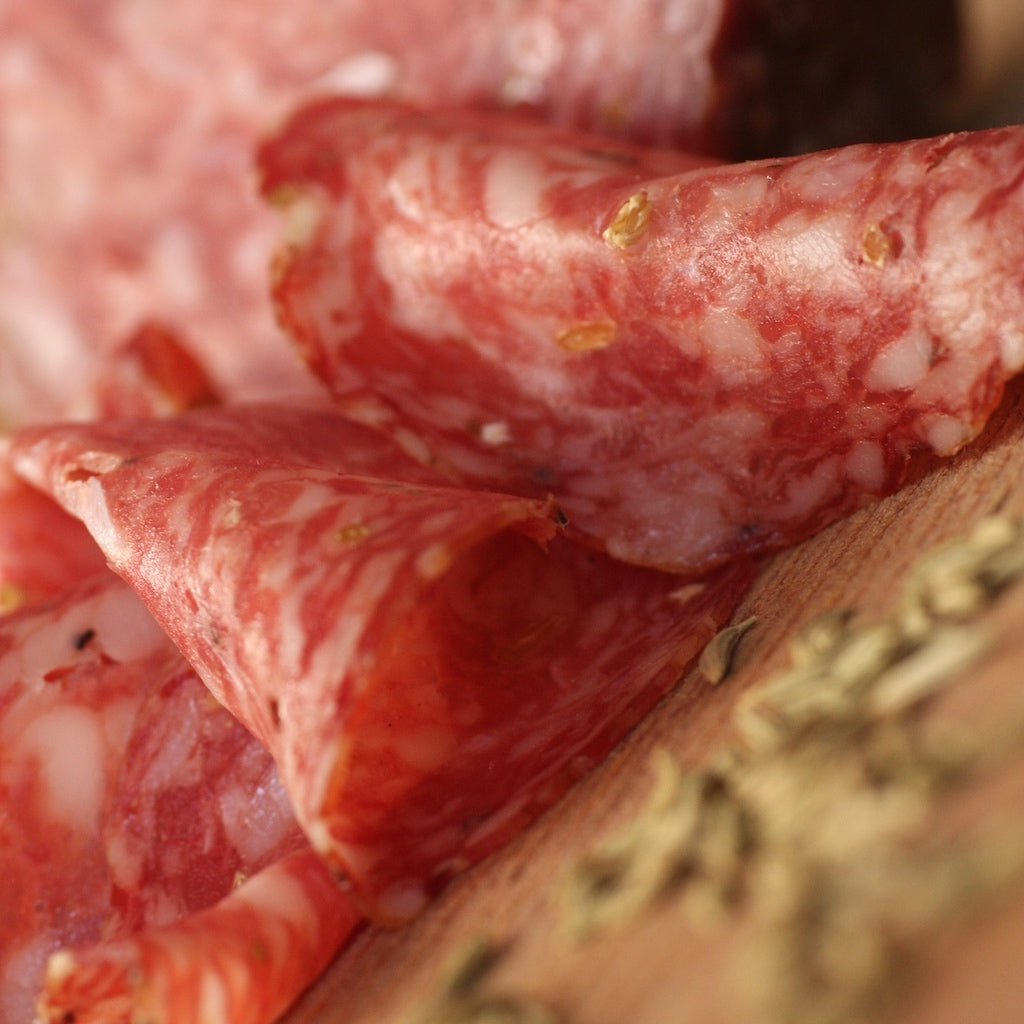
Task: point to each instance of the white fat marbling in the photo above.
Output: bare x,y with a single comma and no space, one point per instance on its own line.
514,188
66,742
865,465
903,364
369,73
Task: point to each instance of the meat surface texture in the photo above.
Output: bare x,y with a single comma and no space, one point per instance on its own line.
430,667
126,135
697,365
43,550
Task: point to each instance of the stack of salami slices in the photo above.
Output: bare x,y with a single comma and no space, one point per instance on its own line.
300,621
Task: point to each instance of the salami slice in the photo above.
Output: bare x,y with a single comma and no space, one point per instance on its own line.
66,704
696,366
131,800
126,132
196,805
242,961
430,667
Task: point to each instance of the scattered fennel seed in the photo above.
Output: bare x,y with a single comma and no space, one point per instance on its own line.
958,579
717,658
630,223
863,654
809,824
470,967
462,998
947,652
820,638
646,860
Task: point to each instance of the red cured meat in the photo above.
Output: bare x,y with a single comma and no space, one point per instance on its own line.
196,805
430,667
65,717
42,548
240,962
696,366
126,192
126,132
131,798
151,374
264,434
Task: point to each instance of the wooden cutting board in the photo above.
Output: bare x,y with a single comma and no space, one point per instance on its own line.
666,963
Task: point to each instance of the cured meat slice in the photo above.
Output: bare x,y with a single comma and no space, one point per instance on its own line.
125,187
696,366
58,756
126,132
242,961
430,667
262,434
131,798
196,805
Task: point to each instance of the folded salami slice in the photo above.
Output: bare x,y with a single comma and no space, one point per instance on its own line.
697,365
430,667
131,800
126,132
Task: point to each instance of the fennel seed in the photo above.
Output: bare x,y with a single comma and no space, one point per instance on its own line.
717,658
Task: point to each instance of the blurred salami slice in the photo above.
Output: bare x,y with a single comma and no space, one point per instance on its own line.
430,667
125,149
696,366
151,373
731,77
131,798
43,550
